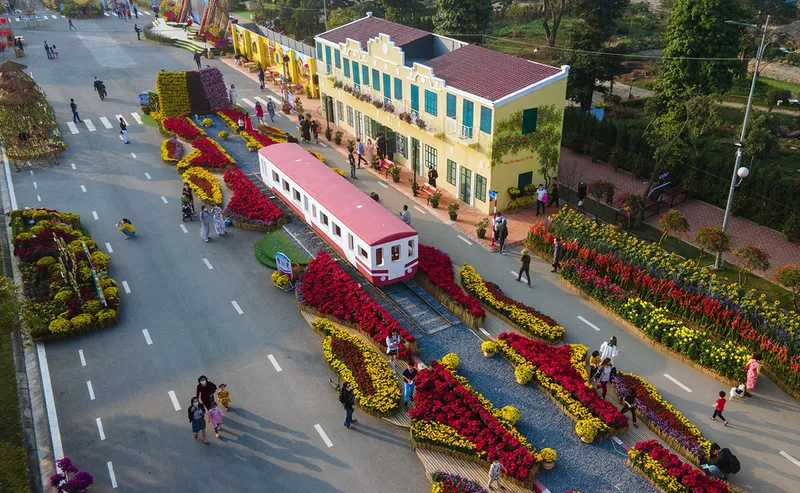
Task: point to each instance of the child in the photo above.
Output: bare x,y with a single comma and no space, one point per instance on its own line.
494,474
594,363
719,406
215,416
55,51
224,395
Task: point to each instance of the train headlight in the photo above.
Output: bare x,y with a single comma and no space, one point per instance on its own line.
408,270
383,278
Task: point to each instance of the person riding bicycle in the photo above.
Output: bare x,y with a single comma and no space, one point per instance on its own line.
100,88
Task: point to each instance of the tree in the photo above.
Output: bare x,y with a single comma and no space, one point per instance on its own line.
600,189
777,95
753,258
672,221
780,11
632,204
407,12
792,227
516,13
762,136
343,15
468,17
551,12
300,18
788,276
696,38
713,239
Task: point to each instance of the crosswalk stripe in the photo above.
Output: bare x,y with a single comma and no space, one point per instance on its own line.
63,17
89,125
264,103
18,19
105,122
148,13
106,14
252,104
137,118
72,127
123,119
54,16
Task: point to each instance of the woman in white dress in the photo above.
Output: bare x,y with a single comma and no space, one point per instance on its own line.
609,349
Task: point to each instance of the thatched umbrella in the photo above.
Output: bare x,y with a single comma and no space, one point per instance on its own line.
17,99
17,84
8,67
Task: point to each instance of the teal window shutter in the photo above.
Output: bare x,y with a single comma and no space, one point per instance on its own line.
376,80
338,58
414,97
387,87
529,118
467,117
451,105
486,120
356,76
347,68
365,74
328,56
431,102
398,89
319,51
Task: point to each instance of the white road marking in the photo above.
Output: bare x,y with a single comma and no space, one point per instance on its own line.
515,274
147,337
262,102
183,228
73,165
111,474
590,324
83,189
91,390
123,119
323,144
39,198
147,175
106,14
89,125
83,359
126,287
54,16
105,122
72,127
94,215
464,240
174,399
133,155
792,459
420,210
252,104
121,137
137,118
236,306
100,430
17,19
164,199
673,380
208,264
324,435
148,13
35,186
274,362
384,185
108,247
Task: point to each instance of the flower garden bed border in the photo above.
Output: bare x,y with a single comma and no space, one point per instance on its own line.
475,323
263,228
515,326
74,332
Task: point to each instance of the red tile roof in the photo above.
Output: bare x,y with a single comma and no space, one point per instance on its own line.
369,27
487,73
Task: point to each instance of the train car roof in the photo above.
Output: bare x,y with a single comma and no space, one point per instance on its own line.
368,219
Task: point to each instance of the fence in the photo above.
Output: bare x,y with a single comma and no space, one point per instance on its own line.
286,41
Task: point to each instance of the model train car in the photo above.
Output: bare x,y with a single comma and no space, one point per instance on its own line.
372,239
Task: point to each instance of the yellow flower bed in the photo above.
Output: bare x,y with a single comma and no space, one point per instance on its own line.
317,155
578,360
339,172
186,162
173,96
474,284
437,433
386,396
194,175
252,144
232,124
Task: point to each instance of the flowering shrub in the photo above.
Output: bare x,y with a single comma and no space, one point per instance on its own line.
69,479
450,361
526,318
589,428
444,397
212,155
450,483
438,267
662,417
173,97
510,414
255,140
231,117
171,150
669,474
554,369
207,122
279,279
182,127
203,184
373,382
248,204
488,347
548,455
317,155
340,172
329,290
214,88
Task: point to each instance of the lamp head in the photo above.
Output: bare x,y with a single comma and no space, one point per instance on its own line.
743,172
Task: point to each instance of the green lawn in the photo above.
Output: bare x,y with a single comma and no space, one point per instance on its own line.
279,241
779,84
245,14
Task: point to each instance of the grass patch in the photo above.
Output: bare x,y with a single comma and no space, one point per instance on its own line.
779,84
149,120
279,241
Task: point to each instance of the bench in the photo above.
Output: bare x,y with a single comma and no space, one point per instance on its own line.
426,190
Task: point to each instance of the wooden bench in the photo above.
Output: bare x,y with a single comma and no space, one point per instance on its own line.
426,190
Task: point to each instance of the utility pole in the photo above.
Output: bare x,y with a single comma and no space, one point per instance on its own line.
325,13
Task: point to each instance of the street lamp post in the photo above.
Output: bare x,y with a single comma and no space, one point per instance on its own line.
740,172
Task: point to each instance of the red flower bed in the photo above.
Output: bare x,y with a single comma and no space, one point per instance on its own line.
644,453
555,362
232,114
439,268
329,290
248,204
353,358
182,127
201,182
261,138
498,293
211,155
443,398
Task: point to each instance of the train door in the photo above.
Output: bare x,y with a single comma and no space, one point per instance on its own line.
350,251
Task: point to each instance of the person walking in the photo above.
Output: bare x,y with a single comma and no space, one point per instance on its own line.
360,152
380,144
138,32
224,396
719,406
261,77
432,176
271,110
205,391
197,416
259,112
196,57
205,223
405,215
348,401
494,474
554,192
392,348
125,227
409,378
71,26
219,220
123,129
608,350
753,369
135,12
524,266
604,375
502,236
47,50
628,404
496,226
74,107
305,129
315,130
581,195
352,161
100,88
232,94
558,252
215,416
370,151
541,198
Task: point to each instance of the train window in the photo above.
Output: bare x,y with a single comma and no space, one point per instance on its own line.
350,244
337,230
313,210
410,248
363,253
323,218
305,202
379,256
296,194
275,177
285,185
395,253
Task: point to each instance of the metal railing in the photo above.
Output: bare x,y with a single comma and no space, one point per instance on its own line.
461,131
288,42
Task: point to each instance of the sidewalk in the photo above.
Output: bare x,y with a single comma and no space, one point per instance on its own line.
575,167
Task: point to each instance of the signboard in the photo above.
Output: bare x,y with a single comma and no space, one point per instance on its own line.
144,99
284,264
154,4
492,195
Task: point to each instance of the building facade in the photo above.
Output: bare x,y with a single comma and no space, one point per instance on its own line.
484,120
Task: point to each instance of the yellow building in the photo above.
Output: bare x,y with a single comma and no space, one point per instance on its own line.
484,120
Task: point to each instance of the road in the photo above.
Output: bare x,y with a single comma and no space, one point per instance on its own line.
187,309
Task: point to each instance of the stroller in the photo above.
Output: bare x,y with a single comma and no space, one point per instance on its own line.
186,210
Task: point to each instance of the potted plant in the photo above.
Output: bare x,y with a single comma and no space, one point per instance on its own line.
480,227
376,162
414,187
529,190
434,199
421,123
587,429
450,361
207,122
510,414
514,193
523,374
286,108
337,138
224,135
298,106
395,173
329,133
549,457
452,210
489,348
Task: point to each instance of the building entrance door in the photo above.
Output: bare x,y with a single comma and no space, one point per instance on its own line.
466,184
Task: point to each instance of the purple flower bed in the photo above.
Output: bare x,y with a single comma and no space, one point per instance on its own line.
215,89
457,483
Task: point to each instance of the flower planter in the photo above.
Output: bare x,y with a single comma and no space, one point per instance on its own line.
453,217
487,355
522,382
481,233
444,298
548,465
587,440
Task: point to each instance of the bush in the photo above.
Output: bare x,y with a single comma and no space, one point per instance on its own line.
100,260
106,316
548,455
523,373
489,347
510,414
82,321
450,361
224,135
92,307
63,296
207,122
47,260
60,326
111,294
792,228
108,282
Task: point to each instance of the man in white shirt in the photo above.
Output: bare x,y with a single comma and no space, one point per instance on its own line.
405,216
541,198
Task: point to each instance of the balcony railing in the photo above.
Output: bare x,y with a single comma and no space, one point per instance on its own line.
462,132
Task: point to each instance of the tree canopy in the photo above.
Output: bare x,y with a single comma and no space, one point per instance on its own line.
407,12
343,15
463,19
